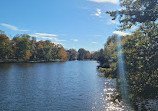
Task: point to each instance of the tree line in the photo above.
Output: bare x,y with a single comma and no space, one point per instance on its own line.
24,48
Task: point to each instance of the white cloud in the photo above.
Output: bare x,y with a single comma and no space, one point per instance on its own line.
120,33
105,1
58,40
98,13
46,36
11,27
94,42
75,40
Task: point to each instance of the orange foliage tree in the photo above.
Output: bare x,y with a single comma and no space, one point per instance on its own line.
62,54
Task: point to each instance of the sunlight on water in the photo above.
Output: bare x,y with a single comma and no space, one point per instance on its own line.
109,91
106,97
109,104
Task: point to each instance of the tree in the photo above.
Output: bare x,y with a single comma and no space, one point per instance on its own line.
22,46
28,55
136,11
47,50
101,58
88,55
40,50
33,49
81,54
62,54
72,53
55,50
141,52
4,46
95,55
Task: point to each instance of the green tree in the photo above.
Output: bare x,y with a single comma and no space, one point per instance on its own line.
47,50
141,48
22,46
33,49
55,50
81,54
136,11
141,52
95,55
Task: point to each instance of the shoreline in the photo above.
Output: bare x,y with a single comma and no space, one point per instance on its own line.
38,61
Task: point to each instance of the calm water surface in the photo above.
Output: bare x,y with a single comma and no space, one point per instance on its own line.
59,86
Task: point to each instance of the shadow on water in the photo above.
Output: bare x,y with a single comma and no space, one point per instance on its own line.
5,66
24,65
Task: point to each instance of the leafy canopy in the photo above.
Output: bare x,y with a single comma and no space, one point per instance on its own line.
136,11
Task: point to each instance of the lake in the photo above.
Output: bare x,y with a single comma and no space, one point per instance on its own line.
57,86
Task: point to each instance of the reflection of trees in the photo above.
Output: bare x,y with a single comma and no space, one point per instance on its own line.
25,65
5,66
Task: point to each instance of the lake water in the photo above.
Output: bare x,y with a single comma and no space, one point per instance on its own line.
58,86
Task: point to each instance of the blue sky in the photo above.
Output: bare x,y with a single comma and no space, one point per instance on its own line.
73,23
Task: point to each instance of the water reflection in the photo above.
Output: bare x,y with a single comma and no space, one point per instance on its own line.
5,66
25,65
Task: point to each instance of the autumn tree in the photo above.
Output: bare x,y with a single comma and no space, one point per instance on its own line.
72,54
21,48
4,46
40,51
87,55
62,54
